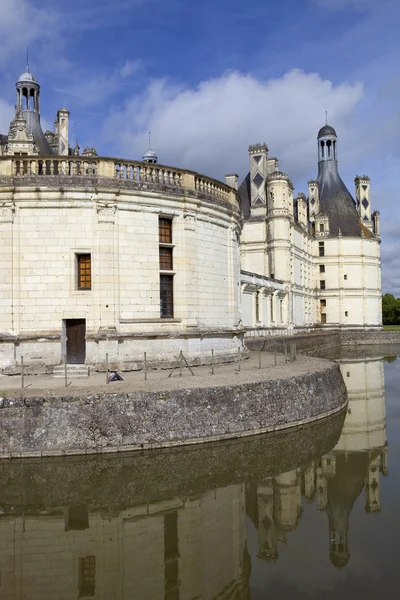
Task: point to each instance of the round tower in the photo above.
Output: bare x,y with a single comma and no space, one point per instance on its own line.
279,218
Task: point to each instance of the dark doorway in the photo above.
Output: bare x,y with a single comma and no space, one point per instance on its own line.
76,342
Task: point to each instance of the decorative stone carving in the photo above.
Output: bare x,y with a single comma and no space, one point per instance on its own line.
89,151
7,210
189,220
106,212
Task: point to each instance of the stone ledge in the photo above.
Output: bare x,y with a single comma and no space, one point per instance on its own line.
115,422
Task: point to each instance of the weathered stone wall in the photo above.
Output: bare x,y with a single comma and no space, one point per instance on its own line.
98,481
320,344
364,338
107,422
312,344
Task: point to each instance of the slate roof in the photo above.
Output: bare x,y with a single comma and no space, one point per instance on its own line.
326,130
337,203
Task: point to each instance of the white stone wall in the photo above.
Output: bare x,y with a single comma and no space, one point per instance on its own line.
43,232
352,281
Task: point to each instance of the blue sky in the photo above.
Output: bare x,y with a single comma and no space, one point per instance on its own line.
209,78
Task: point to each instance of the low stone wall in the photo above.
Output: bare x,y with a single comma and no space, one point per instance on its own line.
31,486
311,344
367,338
98,423
322,343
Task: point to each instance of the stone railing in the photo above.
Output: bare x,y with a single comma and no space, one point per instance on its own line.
85,166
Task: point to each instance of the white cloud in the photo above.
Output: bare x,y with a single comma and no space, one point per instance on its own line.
208,128
94,89
130,68
21,23
6,115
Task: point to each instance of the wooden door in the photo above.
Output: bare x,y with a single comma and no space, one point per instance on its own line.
76,341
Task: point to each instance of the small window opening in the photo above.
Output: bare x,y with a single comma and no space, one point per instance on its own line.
323,318
323,303
84,271
328,145
322,268
165,231
322,284
321,227
345,277
346,313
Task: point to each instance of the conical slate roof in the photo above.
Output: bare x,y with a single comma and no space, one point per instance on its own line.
337,203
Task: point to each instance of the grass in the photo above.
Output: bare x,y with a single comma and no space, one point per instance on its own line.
391,328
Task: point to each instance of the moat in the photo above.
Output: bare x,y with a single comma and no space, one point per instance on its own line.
306,513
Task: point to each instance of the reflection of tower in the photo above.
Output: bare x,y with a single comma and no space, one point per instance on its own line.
343,490
267,533
288,507
360,454
309,482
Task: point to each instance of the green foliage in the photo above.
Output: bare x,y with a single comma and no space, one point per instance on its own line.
390,310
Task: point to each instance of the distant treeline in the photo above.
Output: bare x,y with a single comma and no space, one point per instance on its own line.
390,310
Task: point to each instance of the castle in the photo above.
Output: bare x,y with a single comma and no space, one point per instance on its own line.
105,257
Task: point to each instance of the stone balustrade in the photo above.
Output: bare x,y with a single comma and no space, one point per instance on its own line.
110,168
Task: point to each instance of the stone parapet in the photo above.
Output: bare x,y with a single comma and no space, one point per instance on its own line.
107,422
97,168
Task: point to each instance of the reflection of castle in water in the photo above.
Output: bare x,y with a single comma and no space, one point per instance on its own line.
192,545
338,478
182,548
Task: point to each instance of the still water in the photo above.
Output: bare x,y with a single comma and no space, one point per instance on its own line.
310,513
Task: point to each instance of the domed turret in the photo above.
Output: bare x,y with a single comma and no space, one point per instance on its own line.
326,130
150,156
28,103
335,200
327,139
26,78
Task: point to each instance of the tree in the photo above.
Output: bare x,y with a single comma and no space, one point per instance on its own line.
390,310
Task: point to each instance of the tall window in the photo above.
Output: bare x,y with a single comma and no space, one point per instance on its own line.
321,248
322,268
84,271
166,267
322,284
87,576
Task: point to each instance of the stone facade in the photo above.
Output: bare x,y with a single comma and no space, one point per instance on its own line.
86,272
89,274
324,249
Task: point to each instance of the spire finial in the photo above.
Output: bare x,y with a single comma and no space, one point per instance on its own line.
326,117
149,139
27,59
